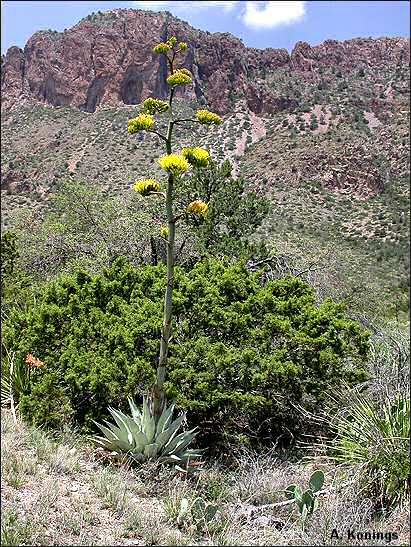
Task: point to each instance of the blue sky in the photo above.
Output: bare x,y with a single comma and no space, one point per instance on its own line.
259,24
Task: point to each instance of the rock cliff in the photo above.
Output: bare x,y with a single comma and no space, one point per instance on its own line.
105,60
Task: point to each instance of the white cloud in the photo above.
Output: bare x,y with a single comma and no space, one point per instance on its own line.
256,14
260,15
154,5
184,6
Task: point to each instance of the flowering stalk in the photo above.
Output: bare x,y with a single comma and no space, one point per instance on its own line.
158,389
175,165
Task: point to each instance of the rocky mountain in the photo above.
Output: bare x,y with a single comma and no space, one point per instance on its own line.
103,60
323,131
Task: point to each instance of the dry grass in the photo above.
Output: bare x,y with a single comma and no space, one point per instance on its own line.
61,493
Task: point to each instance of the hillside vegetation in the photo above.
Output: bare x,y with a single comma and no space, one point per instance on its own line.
204,312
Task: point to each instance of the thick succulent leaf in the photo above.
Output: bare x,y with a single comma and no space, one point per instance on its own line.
164,420
170,433
122,437
289,491
135,411
149,428
150,450
210,511
181,441
308,499
298,494
121,420
316,481
139,439
107,432
137,435
199,506
192,453
148,423
115,446
103,442
145,411
189,455
170,459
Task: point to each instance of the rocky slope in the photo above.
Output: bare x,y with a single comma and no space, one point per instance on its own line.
103,60
324,132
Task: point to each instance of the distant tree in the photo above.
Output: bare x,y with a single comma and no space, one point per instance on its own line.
234,214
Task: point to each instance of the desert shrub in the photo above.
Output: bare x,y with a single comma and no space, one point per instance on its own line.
16,288
83,227
47,403
234,214
243,353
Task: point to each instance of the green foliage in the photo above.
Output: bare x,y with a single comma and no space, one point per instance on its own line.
84,227
15,284
306,501
15,379
142,439
233,214
242,352
198,512
377,438
9,254
47,403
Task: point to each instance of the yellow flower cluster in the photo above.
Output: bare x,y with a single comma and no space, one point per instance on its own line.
143,122
146,187
174,164
161,48
208,118
154,106
164,232
180,77
196,156
197,207
164,47
186,71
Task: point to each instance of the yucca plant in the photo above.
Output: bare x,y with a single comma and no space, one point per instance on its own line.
15,379
143,438
378,440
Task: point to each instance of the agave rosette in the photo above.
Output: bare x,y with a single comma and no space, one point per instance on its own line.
142,439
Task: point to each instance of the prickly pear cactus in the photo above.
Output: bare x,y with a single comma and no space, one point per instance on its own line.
306,501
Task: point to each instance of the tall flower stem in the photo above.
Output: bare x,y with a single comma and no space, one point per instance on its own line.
175,165
158,389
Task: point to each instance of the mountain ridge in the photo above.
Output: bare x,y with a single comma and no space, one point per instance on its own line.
103,61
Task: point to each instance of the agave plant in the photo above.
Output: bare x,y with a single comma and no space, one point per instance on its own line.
142,439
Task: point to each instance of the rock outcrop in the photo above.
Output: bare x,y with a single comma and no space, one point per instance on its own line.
105,60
